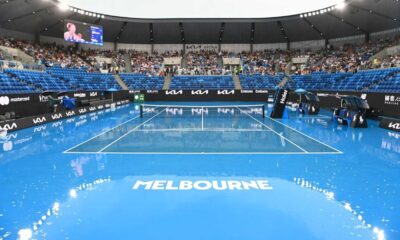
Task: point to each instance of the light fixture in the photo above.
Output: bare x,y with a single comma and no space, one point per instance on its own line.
63,6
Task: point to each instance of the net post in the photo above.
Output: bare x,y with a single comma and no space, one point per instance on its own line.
141,110
263,111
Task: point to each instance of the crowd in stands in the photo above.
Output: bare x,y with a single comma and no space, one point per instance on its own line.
47,54
203,62
346,58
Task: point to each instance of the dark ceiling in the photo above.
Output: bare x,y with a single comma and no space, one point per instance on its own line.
359,17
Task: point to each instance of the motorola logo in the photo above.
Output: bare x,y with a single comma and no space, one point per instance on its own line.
4,100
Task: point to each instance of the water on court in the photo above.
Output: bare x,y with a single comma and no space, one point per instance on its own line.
115,175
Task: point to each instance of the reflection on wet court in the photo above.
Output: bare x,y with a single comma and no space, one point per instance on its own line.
115,175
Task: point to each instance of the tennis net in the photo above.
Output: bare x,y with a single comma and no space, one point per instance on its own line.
148,110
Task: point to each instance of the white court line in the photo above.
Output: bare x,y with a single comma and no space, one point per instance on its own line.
304,134
130,131
202,118
207,153
274,131
202,129
119,125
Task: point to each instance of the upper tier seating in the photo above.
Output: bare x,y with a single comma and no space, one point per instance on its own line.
41,80
202,82
79,79
10,85
377,80
142,82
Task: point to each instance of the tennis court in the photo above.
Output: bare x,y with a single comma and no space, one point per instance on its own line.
203,129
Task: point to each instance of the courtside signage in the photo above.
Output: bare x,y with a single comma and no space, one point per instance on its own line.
201,185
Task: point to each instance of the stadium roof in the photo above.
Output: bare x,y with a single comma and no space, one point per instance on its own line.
189,9
358,17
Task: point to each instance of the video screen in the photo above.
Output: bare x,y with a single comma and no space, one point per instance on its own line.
83,33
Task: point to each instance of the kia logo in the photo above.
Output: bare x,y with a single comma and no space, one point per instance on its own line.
10,127
56,116
93,94
39,120
226,92
92,108
199,92
4,100
82,110
173,92
394,125
70,113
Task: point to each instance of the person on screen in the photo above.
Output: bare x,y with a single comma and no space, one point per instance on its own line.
71,34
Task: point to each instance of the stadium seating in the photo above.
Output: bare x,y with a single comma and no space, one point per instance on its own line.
10,85
41,80
79,79
377,80
390,85
259,81
202,82
142,82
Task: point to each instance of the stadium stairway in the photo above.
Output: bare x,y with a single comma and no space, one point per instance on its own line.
128,63
121,82
167,82
236,82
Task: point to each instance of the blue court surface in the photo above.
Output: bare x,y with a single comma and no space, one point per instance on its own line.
199,171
